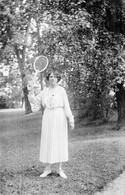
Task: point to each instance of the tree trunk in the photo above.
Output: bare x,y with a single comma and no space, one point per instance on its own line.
120,98
41,80
26,100
28,109
21,61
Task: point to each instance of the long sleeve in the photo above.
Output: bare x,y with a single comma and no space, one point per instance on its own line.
37,100
67,108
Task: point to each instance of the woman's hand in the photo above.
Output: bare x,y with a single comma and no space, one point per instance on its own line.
36,91
72,125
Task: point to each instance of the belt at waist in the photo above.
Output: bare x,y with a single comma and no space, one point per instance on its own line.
55,107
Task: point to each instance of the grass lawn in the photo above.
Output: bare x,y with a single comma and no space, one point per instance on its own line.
96,156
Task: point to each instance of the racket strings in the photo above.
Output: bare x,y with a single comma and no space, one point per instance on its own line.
40,64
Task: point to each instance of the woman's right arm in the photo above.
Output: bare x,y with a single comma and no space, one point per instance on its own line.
37,98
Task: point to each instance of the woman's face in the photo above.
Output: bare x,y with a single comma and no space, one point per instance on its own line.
53,79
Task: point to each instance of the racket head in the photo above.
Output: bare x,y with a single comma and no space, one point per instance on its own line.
40,63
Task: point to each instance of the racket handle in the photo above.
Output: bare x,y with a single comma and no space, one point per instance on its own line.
35,78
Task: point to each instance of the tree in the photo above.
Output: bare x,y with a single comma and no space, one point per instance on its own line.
82,38
104,70
14,35
109,27
10,85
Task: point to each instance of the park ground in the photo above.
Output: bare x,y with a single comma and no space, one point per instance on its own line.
96,157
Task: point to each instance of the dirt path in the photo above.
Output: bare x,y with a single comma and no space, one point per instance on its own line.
116,187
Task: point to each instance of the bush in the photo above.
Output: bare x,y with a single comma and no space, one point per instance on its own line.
3,103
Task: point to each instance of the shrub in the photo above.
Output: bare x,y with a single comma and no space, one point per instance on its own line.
3,103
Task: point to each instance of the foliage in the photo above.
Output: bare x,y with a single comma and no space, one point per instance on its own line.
2,102
104,60
11,87
104,66
87,50
18,16
83,39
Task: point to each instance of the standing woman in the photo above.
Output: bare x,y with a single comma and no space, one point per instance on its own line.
54,134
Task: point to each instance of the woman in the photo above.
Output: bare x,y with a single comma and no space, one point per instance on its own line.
54,135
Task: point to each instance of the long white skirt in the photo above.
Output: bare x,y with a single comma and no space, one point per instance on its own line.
54,136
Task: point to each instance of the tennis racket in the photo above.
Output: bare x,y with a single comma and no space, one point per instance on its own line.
40,64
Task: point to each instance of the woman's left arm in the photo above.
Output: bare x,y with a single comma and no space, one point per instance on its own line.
68,111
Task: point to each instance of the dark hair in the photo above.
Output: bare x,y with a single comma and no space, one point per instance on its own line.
56,73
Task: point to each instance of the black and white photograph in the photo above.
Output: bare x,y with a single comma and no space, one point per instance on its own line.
62,97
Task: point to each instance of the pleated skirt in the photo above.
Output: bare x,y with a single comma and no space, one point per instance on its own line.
54,136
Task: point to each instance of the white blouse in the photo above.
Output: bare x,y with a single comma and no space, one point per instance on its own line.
52,98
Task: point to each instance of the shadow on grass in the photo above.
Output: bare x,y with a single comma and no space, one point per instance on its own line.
92,163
